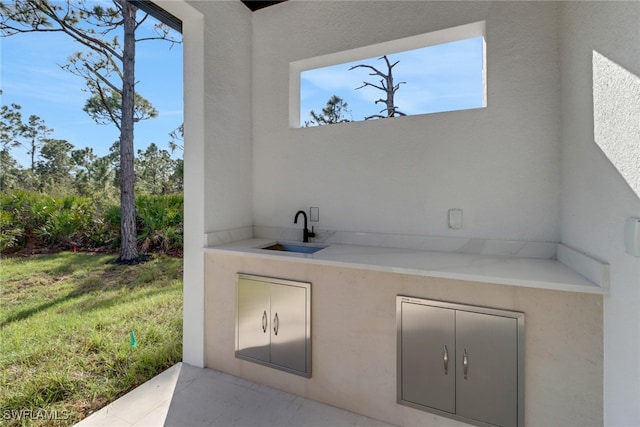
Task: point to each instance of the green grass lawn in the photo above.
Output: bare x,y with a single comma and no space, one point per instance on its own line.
65,322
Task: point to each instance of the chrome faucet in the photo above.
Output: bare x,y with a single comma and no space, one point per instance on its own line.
306,233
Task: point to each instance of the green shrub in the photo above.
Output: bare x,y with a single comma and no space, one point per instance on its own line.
30,218
36,219
105,229
10,233
19,220
160,222
65,220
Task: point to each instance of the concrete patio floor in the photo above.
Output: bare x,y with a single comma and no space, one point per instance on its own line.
187,396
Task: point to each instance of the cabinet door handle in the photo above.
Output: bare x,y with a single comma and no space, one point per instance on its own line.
276,324
465,363
264,321
445,359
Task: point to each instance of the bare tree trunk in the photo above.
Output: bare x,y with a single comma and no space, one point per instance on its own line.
128,248
386,85
33,155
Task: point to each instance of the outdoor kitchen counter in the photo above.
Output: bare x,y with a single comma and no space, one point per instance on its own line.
503,270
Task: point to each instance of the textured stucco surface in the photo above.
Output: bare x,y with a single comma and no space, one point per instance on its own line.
227,109
499,164
600,64
616,117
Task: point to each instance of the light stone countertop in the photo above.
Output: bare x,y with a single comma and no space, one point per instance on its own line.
502,270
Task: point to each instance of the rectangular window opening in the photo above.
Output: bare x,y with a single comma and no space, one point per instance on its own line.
430,73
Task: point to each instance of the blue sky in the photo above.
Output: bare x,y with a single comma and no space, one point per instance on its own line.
30,76
443,77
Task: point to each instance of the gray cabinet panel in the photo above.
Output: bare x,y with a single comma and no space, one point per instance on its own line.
253,319
273,325
428,356
484,384
288,330
489,390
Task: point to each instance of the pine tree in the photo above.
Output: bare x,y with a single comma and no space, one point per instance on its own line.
108,67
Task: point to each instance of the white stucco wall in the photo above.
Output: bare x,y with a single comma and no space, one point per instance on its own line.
217,153
499,164
600,51
227,114
193,276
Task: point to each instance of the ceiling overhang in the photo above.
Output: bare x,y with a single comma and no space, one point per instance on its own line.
255,5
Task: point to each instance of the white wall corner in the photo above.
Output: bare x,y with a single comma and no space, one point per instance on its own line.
594,270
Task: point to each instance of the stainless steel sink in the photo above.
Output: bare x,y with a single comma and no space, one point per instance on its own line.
292,247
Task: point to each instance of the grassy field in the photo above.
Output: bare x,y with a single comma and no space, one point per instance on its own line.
65,333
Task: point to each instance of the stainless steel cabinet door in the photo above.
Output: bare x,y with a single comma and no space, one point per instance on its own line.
487,370
428,356
289,327
273,323
253,330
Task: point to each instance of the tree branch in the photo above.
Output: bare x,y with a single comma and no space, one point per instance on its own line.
103,79
375,73
158,38
91,71
388,63
144,18
396,87
39,23
378,116
113,116
370,84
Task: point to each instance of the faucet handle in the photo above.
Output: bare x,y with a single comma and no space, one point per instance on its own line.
311,233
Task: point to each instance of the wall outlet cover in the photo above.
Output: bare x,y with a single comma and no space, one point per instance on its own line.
455,219
314,214
632,236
